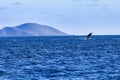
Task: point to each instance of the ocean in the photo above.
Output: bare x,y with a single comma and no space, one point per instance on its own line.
60,58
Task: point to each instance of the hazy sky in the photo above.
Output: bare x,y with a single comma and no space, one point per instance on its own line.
71,16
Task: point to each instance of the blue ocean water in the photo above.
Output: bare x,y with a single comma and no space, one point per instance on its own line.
60,58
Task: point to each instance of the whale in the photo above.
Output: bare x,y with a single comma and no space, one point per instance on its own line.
89,36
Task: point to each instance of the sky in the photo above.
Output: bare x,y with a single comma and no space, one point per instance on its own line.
102,17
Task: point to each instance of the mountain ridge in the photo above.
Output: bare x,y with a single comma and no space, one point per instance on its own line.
31,29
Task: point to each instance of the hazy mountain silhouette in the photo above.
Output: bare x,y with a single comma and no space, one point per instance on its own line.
31,29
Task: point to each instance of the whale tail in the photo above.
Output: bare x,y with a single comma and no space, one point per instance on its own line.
89,36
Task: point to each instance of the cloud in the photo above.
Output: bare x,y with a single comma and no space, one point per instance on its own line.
88,3
17,3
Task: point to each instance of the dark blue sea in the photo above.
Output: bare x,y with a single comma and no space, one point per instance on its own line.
60,58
